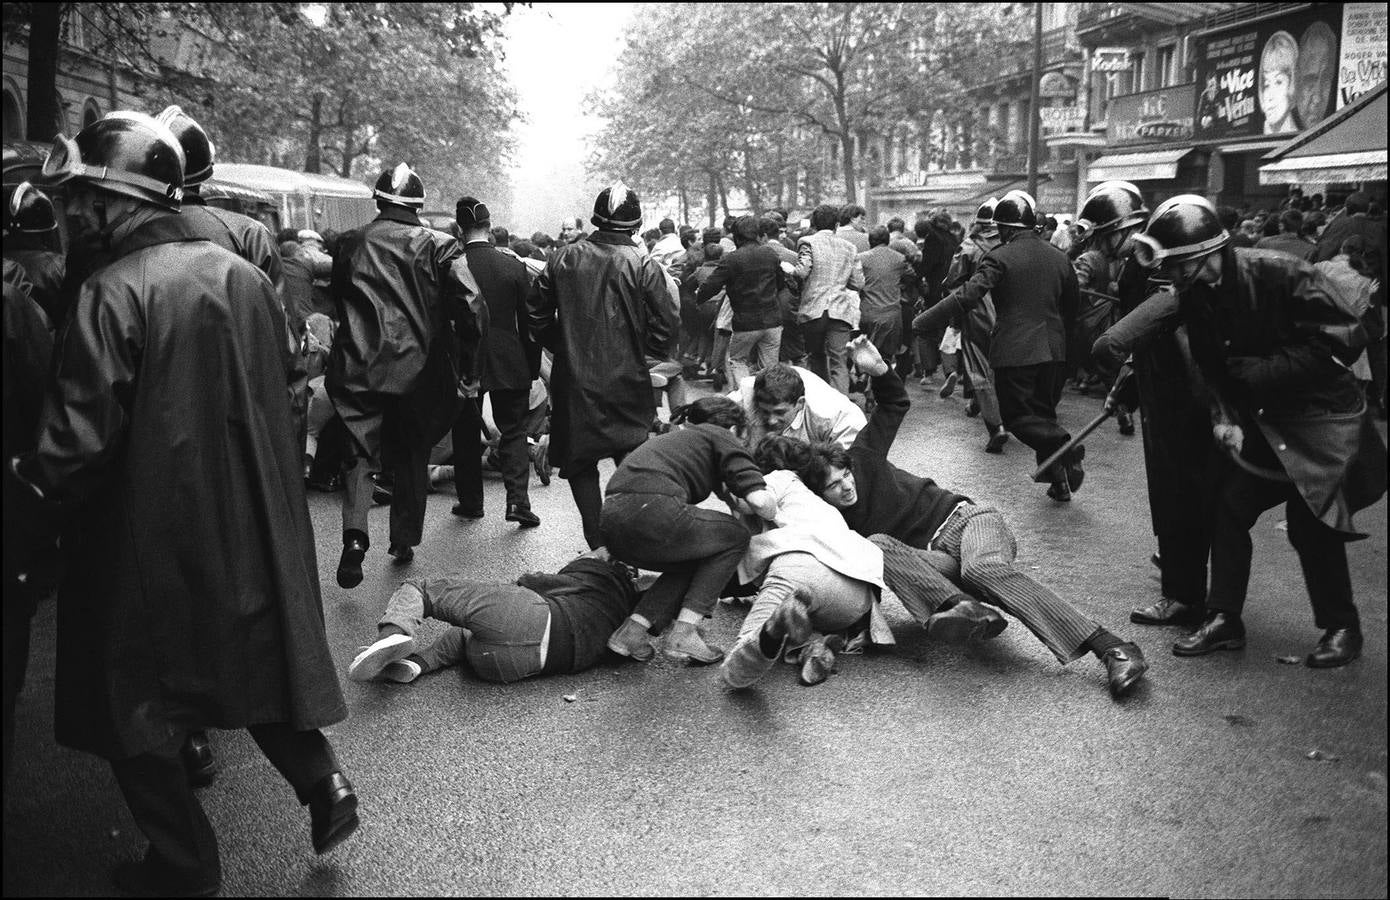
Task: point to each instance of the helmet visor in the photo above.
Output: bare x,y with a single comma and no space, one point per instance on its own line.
64,161
1150,254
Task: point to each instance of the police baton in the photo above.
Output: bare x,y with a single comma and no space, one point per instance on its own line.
1111,404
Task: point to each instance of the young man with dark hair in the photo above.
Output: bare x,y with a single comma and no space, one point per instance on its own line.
787,400
886,272
853,225
752,277
922,527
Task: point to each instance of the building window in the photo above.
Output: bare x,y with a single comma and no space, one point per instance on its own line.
1137,73
1167,66
13,116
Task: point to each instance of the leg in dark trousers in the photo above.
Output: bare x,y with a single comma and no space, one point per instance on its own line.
183,847
468,456
410,488
1028,397
303,758
1241,499
813,332
509,409
21,601
587,496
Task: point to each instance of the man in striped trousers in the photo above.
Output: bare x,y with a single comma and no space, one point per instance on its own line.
924,529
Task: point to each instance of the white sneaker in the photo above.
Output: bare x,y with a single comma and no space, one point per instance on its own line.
368,664
402,671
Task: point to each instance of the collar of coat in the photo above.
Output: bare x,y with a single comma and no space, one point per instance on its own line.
399,214
163,228
621,238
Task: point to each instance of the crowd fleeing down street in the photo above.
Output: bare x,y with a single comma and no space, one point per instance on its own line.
179,378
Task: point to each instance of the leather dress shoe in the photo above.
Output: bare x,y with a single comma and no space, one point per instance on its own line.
972,409
198,761
1124,666
350,563
381,494
400,555
966,621
1219,632
145,878
1060,491
1168,611
997,441
467,512
521,514
332,811
1126,422
1075,474
1337,647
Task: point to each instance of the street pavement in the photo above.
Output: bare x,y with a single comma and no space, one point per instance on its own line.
933,769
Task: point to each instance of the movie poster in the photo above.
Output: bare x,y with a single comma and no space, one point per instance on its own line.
1276,77
1363,50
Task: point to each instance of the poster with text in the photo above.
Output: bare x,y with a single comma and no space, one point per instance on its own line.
1363,50
1276,76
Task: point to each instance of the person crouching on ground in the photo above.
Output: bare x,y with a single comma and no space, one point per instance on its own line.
650,519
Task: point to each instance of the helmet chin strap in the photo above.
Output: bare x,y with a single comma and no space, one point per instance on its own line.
107,229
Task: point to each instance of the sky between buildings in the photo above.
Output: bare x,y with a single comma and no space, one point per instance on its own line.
558,53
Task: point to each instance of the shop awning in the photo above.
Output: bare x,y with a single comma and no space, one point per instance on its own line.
1154,165
1348,146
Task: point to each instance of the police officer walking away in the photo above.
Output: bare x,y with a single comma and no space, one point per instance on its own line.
1034,290
409,318
190,596
602,307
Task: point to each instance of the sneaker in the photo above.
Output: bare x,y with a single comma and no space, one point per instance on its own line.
631,640
368,664
402,671
949,387
685,643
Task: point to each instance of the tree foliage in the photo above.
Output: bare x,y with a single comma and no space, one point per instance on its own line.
338,87
753,95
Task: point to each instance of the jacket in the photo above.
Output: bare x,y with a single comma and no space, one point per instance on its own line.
1272,342
886,273
1034,290
191,595
602,307
827,264
410,321
511,357
752,276
45,271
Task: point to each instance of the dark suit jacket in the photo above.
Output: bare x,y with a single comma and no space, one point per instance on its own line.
512,359
750,275
1034,289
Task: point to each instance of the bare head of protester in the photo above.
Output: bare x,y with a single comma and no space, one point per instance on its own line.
1248,315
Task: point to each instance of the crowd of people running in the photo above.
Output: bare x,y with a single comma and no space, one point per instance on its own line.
177,377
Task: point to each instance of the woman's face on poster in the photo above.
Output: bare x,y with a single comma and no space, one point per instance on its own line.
1276,100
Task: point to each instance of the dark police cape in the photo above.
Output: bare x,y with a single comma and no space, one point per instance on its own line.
190,592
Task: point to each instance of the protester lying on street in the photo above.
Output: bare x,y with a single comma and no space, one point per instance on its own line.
650,519
820,581
914,521
541,624
792,401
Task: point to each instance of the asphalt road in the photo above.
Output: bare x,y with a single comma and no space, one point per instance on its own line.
931,770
